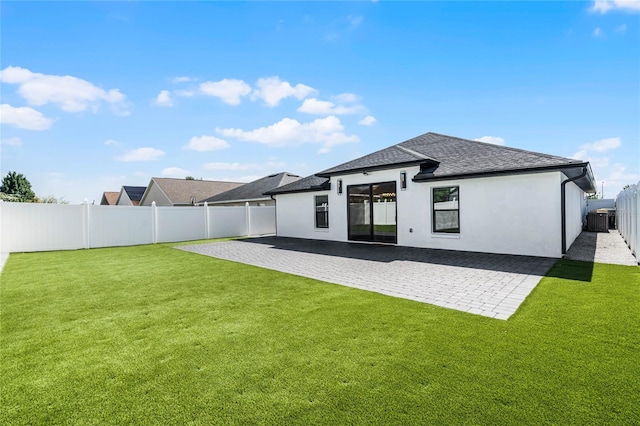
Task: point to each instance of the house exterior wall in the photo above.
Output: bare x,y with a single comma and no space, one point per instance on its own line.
575,208
154,193
123,199
518,214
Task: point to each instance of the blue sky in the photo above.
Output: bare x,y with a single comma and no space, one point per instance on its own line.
96,95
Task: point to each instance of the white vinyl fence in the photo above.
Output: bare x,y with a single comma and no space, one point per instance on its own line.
628,216
44,227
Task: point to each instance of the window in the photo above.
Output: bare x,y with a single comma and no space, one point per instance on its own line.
446,211
322,211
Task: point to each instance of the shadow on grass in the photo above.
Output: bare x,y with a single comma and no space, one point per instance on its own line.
572,270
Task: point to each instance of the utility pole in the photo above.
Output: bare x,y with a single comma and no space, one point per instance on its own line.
602,192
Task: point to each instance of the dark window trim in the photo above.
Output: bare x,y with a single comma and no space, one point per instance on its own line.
315,211
371,218
433,211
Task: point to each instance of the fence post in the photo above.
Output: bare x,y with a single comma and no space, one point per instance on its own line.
154,223
248,217
87,225
206,220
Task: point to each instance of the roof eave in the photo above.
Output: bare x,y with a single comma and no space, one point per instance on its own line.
316,188
369,169
586,184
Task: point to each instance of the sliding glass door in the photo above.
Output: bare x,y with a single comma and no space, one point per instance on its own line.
372,212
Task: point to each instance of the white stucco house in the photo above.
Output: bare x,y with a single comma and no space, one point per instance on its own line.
443,192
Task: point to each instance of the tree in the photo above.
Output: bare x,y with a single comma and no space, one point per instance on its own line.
17,185
190,178
50,199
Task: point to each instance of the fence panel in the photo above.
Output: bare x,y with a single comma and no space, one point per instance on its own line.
628,216
262,220
227,221
42,227
120,226
180,224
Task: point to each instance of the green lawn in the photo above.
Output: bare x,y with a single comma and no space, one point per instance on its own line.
154,335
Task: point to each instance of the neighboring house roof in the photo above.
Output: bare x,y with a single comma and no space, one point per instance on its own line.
309,183
254,190
109,198
446,157
188,191
133,192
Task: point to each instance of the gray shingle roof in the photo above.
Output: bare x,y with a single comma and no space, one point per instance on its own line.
455,156
448,157
254,190
183,191
309,183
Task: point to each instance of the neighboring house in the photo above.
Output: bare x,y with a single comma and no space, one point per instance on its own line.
182,192
109,198
443,192
130,195
252,192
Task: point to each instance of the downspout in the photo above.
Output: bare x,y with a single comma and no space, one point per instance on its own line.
563,212
276,212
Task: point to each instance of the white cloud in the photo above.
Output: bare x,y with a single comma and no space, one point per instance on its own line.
164,99
368,120
227,166
11,141
69,93
622,28
185,93
141,154
24,118
245,179
111,142
495,140
221,166
598,32
602,145
615,176
344,98
206,143
327,131
175,172
182,79
604,6
316,106
354,21
272,90
229,90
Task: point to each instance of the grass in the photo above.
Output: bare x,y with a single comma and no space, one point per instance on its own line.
153,335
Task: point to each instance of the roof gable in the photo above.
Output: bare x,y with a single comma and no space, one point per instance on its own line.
109,198
134,192
254,190
309,183
188,191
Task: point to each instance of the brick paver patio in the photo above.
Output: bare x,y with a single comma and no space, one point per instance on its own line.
491,285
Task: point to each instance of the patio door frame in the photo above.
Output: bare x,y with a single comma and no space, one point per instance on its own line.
372,237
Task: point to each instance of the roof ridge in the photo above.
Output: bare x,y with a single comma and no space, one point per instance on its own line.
412,152
511,148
